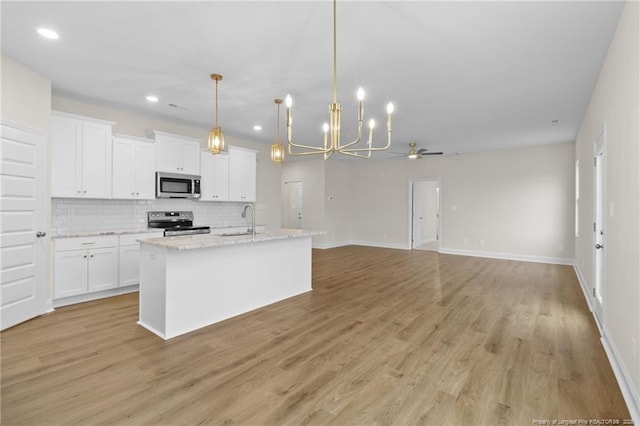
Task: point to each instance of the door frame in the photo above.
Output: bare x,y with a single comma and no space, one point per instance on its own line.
410,210
599,225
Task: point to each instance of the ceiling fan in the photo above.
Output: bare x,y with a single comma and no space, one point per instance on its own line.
419,153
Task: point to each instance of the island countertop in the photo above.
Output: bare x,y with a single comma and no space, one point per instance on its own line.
199,241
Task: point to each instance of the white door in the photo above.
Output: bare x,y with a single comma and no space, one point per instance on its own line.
123,172
293,208
96,160
102,269
22,230
599,245
416,216
145,170
129,265
425,218
70,273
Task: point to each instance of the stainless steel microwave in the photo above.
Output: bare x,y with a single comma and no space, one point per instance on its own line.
176,185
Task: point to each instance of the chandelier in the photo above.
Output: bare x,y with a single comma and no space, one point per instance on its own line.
277,150
331,143
216,135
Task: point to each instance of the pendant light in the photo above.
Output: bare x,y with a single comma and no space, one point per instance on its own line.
277,150
331,143
216,135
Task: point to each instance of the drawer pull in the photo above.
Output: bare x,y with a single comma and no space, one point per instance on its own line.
86,244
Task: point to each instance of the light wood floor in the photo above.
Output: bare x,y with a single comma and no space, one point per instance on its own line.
386,337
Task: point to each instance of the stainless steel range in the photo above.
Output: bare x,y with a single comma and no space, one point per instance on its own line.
175,223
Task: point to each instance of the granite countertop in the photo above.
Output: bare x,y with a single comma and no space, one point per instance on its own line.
214,230
74,234
190,242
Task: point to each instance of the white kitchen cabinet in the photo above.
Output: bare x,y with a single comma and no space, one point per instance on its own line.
242,174
134,167
177,154
214,184
80,156
84,265
129,258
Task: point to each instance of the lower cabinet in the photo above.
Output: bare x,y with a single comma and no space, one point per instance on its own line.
85,265
129,258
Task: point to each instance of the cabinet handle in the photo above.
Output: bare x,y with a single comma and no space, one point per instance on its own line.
84,192
85,244
40,234
91,256
85,256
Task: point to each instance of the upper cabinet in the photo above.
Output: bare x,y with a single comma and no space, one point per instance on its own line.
214,170
80,156
134,168
177,154
242,174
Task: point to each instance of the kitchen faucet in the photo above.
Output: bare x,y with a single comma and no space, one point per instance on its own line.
253,218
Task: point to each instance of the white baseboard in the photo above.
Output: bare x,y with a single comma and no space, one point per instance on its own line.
94,296
324,246
629,393
583,286
381,245
509,256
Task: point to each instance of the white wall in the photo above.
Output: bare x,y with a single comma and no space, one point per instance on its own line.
518,202
139,125
338,208
26,96
615,101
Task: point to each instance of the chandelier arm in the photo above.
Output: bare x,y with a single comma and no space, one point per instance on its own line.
371,148
298,154
341,147
352,154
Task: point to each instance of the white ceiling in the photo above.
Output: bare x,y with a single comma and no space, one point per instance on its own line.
464,76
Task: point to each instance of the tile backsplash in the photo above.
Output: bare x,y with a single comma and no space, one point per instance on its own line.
70,215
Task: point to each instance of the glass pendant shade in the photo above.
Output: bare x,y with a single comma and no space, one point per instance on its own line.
277,152
216,141
216,135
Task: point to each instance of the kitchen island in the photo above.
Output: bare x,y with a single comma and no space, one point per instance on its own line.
188,282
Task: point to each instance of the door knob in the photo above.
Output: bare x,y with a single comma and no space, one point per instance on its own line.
599,246
40,234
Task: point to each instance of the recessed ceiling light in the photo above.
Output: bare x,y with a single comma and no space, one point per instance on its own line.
257,127
45,32
152,98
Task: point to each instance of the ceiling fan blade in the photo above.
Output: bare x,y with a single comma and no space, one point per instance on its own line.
431,153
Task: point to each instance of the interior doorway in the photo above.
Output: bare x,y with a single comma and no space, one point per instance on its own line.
599,231
293,205
23,170
425,214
